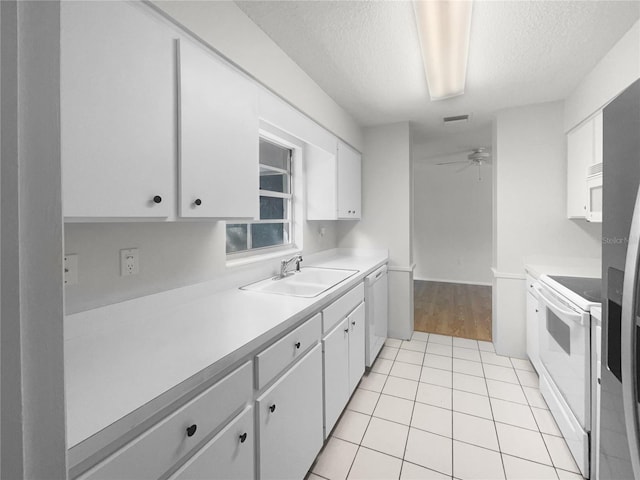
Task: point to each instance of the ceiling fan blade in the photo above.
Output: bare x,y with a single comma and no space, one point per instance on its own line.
451,163
464,168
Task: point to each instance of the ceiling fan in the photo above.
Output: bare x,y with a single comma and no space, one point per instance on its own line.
478,157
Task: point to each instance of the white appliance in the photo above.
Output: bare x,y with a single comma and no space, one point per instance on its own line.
565,357
377,312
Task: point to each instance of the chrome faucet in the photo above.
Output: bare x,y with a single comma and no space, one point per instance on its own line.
284,265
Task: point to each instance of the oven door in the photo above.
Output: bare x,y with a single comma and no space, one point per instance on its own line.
565,352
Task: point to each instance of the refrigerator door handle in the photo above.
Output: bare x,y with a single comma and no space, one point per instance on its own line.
628,334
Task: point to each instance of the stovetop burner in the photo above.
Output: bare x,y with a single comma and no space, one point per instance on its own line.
588,288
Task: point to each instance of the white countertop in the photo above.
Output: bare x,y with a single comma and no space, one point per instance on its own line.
565,266
120,357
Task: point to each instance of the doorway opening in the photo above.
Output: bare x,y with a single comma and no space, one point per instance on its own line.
454,309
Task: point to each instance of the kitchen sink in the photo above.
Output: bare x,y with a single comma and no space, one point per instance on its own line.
308,282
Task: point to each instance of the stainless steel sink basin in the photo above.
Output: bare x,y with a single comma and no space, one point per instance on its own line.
308,282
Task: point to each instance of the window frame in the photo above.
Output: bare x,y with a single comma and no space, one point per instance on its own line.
289,208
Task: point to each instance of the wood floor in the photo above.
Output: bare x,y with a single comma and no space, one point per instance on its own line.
453,309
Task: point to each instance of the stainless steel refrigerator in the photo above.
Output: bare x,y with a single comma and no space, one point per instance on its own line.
619,455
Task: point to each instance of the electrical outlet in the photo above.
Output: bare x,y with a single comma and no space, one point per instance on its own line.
70,269
129,262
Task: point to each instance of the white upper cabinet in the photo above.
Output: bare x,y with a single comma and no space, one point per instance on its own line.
349,182
334,182
118,123
584,149
218,137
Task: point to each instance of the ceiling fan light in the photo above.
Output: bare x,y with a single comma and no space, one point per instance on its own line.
444,28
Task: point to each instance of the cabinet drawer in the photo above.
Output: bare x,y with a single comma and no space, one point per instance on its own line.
341,307
228,456
159,448
273,360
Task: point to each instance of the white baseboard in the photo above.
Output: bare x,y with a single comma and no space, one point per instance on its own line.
463,282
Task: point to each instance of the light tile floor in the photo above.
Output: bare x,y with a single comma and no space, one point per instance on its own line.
439,407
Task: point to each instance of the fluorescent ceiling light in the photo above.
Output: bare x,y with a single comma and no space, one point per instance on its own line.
444,27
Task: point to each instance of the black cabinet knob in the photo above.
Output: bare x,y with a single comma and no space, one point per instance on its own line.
536,310
353,322
346,330
243,437
297,344
198,202
157,199
272,408
191,430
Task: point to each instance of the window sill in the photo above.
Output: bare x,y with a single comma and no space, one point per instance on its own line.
285,252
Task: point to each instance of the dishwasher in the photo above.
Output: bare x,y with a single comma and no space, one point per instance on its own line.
377,312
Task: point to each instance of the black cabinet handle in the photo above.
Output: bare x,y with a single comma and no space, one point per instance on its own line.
157,199
353,322
297,344
243,437
191,430
272,408
531,285
346,330
198,202
536,310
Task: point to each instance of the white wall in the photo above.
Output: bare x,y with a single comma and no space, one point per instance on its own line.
452,222
530,211
172,255
231,32
618,69
33,410
386,216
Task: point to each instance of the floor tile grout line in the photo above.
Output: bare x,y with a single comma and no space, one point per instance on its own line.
495,427
453,461
368,424
461,390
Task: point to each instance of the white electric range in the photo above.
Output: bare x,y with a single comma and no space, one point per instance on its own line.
566,356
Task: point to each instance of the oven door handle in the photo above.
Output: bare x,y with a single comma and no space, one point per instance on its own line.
557,309
628,335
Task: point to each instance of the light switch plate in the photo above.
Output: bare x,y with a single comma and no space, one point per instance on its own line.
70,269
129,262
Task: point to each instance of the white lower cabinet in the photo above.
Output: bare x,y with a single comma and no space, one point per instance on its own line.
289,419
228,456
336,373
159,449
356,346
533,320
343,364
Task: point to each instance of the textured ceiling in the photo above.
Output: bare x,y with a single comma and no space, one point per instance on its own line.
365,55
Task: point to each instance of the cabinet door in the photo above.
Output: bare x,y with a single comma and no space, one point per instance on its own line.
218,138
290,421
117,102
228,456
356,321
532,330
336,373
349,182
580,155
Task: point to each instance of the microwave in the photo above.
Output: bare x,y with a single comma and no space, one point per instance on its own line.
594,193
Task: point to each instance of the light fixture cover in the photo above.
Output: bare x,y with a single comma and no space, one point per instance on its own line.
444,28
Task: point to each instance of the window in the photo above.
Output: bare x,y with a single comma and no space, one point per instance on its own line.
274,229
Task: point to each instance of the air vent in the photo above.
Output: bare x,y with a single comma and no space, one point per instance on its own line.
594,169
456,119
